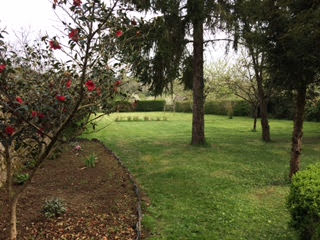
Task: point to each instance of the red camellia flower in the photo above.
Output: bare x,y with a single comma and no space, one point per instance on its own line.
77,3
74,35
90,86
9,130
61,98
117,83
54,45
119,33
41,115
69,84
2,68
19,100
34,114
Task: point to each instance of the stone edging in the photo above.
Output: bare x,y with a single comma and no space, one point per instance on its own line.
136,188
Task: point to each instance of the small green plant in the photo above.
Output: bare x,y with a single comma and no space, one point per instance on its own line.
304,203
146,118
165,119
158,119
136,118
91,161
129,118
53,208
31,164
21,178
117,119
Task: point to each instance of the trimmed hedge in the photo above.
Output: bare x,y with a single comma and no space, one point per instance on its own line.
215,107
239,107
184,107
277,109
304,203
150,105
124,106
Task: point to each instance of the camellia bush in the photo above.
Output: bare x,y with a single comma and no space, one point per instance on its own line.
42,97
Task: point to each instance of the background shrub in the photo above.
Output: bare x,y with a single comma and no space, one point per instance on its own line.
150,105
124,106
282,107
169,108
219,107
241,108
304,203
215,107
184,107
313,111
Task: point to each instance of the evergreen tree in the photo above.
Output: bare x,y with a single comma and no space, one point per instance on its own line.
162,54
293,37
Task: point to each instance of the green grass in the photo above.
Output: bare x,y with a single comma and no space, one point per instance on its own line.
234,188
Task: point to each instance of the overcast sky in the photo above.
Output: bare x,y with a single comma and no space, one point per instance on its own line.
35,16
30,15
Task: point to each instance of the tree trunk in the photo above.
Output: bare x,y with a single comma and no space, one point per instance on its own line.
12,200
263,111
258,71
198,137
297,132
13,218
254,129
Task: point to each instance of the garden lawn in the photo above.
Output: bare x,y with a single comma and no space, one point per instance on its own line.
234,188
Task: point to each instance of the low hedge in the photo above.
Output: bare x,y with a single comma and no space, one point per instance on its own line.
239,107
184,107
150,105
124,106
304,203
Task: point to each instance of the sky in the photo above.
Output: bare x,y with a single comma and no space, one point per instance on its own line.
35,16
31,16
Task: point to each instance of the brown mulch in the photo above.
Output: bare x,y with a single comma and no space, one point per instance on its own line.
101,202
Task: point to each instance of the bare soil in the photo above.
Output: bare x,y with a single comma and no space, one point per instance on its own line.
100,201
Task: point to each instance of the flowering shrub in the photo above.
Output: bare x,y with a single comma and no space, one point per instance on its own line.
42,97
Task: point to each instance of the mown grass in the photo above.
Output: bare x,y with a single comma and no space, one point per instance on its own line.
234,188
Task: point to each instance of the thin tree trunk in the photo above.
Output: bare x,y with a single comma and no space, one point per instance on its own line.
198,137
13,218
297,132
12,200
254,129
263,112
261,94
